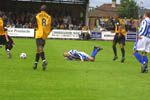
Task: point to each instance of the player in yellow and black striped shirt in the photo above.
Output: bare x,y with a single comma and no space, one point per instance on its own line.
43,23
4,38
119,37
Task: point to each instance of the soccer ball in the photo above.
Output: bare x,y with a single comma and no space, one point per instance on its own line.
23,55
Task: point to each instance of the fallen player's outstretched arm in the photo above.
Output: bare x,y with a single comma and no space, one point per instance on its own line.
81,57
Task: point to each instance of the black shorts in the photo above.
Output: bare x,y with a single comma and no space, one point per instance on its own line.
40,42
120,40
3,40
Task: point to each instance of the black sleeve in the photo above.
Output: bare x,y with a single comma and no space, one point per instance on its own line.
5,24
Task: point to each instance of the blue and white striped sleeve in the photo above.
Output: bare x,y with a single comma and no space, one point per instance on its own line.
81,56
142,28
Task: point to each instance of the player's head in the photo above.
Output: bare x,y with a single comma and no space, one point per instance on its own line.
66,54
1,14
147,14
43,8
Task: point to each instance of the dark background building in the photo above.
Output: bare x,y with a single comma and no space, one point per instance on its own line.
76,9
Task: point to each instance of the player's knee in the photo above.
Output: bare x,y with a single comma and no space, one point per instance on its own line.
134,51
121,46
113,44
39,51
144,53
9,46
91,59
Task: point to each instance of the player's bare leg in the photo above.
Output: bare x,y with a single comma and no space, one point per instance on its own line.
91,59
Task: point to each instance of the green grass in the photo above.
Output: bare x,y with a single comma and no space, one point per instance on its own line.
103,79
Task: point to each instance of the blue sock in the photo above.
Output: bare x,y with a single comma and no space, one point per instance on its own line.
139,57
94,49
94,53
145,59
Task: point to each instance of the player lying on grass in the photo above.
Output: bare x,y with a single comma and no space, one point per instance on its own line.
82,56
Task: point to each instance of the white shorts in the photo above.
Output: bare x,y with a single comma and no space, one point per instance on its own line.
85,54
142,44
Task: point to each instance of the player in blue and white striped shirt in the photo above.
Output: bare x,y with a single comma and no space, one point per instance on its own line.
143,42
82,56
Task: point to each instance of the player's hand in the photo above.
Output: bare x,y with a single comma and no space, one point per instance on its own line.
119,35
139,37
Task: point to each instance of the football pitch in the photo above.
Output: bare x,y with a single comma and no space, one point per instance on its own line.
103,79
